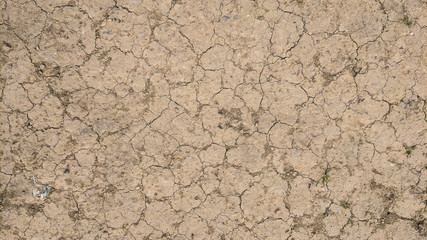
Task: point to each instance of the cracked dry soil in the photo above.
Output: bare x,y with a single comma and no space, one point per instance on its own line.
208,119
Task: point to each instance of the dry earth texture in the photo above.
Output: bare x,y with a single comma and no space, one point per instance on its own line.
208,119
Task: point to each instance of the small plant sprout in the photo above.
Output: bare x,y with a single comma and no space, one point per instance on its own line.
345,205
325,178
407,21
409,149
351,222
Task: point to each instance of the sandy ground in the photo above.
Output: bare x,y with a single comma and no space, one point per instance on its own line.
191,119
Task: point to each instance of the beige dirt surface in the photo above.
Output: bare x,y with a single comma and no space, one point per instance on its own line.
209,119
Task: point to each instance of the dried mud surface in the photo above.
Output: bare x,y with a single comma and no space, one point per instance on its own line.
208,119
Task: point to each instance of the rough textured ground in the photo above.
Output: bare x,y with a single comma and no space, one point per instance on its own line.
190,119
